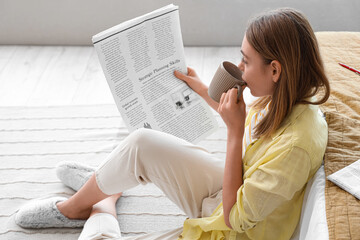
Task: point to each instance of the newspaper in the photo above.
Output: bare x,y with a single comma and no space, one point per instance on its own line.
138,58
348,178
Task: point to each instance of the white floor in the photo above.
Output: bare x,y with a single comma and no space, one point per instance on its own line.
66,75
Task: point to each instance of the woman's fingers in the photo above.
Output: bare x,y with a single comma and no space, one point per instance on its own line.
180,75
186,77
233,95
190,71
229,97
222,98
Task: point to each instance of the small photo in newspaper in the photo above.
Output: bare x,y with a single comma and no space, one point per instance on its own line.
184,98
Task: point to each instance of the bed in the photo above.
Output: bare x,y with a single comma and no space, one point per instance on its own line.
328,211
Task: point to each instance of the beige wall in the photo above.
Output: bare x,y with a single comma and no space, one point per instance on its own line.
203,22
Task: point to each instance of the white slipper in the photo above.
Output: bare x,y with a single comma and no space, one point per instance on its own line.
44,214
74,175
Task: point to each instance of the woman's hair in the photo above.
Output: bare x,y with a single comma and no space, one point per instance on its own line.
285,35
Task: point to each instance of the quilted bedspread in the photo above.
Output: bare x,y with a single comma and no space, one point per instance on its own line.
342,113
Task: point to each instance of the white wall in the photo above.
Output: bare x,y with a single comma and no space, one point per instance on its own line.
203,22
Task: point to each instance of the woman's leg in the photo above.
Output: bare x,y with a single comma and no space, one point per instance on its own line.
80,205
108,205
184,172
102,223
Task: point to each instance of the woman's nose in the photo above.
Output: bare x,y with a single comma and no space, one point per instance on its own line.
241,66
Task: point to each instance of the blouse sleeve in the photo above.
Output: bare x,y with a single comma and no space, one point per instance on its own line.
279,176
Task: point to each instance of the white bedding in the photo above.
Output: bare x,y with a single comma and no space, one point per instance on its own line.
313,225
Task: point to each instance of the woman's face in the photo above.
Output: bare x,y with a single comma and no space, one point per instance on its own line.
256,73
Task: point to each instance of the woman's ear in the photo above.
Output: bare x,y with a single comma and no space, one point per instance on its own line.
276,70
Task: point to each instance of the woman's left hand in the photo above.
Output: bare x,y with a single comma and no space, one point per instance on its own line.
233,112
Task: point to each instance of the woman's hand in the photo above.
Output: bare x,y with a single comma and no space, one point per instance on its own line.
194,82
233,112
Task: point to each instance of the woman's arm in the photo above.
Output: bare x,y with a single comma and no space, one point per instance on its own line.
197,85
233,114
233,178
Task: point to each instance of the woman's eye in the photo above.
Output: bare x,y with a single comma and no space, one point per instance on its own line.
243,60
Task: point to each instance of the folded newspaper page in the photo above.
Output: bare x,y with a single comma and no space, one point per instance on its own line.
348,178
138,58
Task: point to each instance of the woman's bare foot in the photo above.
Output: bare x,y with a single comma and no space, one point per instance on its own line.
108,205
73,212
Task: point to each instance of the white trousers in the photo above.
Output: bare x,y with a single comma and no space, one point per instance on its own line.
188,175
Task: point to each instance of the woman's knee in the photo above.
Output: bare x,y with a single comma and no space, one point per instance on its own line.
141,136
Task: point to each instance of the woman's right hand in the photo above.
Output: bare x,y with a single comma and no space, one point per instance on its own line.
193,81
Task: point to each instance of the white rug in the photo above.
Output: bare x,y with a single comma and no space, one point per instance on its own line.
34,140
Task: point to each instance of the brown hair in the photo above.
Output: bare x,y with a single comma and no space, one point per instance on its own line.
285,35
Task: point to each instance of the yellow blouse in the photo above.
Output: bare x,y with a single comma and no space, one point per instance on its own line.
276,171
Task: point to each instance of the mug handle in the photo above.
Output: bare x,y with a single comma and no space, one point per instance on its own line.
240,91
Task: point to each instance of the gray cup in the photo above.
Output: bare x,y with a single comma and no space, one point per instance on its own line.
227,76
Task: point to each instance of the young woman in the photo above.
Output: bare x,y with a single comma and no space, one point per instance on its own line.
271,153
